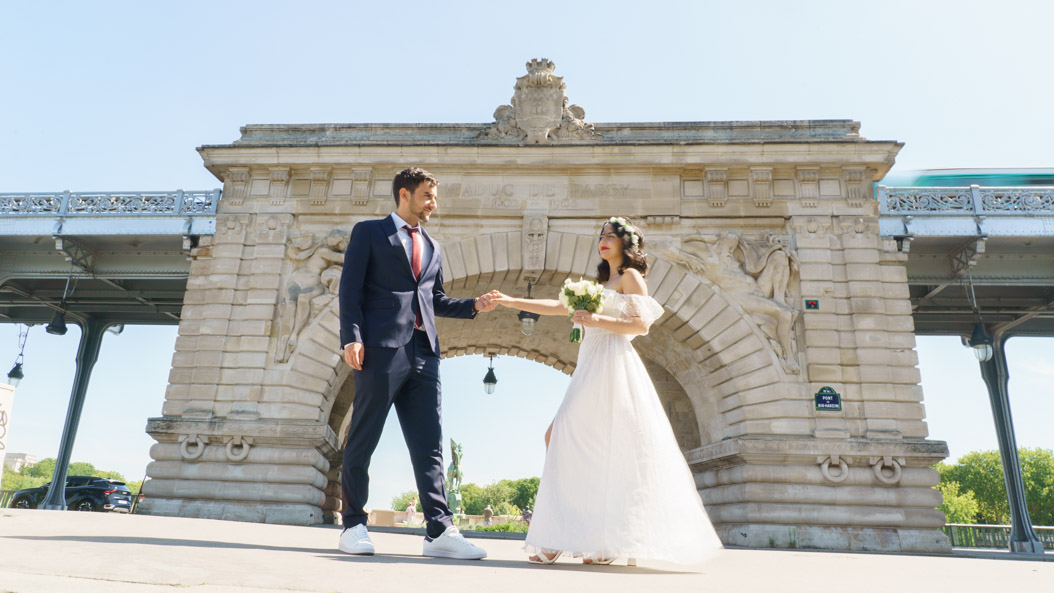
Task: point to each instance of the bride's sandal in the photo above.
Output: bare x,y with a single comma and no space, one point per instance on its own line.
603,561
544,557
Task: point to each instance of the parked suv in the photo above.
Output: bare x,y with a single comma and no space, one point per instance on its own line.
83,493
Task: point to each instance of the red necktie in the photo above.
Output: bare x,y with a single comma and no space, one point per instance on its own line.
415,263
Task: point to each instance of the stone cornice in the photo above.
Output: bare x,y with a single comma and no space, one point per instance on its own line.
739,450
619,133
670,157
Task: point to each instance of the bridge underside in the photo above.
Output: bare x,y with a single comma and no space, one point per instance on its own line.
989,249
1012,278
129,279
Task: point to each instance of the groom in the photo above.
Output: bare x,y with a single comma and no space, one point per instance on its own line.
391,290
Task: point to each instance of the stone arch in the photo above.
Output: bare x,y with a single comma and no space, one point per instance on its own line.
705,342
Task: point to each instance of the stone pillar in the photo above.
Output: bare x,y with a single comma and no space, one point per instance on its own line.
858,478
239,439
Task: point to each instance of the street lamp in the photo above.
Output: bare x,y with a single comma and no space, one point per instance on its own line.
15,376
57,326
981,342
490,381
527,319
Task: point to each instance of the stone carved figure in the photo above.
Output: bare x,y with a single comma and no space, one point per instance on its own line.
535,230
754,273
504,126
454,476
772,262
316,278
539,113
572,126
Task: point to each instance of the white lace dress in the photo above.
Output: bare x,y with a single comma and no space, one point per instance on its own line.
615,483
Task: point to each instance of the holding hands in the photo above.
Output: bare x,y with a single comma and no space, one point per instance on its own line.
488,302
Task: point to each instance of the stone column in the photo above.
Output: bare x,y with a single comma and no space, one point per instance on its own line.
239,439
858,478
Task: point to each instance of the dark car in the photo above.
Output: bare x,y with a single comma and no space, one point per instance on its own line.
83,493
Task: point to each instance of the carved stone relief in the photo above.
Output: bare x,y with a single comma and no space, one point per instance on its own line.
539,113
279,185
237,179
314,283
319,185
756,273
535,229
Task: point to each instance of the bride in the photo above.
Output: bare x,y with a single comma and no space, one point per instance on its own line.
615,483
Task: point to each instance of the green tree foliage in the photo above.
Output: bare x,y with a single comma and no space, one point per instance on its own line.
45,468
402,502
526,491
472,499
505,497
981,473
957,507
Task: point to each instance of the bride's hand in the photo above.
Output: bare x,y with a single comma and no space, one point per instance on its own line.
585,318
500,298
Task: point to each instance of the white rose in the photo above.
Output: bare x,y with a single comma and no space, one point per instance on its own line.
580,290
563,299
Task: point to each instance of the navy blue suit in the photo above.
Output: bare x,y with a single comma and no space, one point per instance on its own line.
379,300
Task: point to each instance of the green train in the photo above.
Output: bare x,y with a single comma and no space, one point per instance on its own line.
962,177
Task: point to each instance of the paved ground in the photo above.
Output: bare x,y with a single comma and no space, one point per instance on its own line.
52,551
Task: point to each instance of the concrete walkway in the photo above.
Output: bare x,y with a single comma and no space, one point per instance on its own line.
52,551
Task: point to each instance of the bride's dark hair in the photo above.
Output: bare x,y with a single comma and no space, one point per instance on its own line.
633,255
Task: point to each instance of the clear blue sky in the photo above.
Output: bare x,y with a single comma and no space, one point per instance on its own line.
117,95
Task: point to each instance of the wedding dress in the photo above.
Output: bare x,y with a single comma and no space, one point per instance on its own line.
615,483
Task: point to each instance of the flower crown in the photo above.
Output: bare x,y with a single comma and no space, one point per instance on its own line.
627,228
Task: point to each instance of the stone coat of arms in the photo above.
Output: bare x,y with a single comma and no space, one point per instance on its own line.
539,113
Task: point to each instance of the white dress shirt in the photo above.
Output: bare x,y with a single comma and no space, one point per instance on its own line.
408,246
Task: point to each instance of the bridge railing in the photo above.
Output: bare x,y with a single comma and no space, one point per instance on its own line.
148,203
991,536
968,200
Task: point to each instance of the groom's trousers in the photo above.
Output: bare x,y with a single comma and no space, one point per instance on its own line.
407,378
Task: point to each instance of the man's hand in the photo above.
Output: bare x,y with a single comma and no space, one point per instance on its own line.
354,354
487,303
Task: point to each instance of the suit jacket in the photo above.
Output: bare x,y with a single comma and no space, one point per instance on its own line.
378,293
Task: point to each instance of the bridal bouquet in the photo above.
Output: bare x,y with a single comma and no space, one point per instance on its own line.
581,295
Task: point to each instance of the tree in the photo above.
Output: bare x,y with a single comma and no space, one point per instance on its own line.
957,507
505,497
981,473
525,491
402,502
45,468
472,499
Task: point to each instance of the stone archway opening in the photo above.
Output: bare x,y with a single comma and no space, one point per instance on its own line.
499,334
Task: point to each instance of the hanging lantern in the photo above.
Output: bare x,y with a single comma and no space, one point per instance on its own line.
490,381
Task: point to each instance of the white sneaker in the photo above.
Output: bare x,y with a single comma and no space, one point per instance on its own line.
452,545
356,540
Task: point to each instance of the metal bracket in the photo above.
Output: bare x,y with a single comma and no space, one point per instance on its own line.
189,241
75,252
967,256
